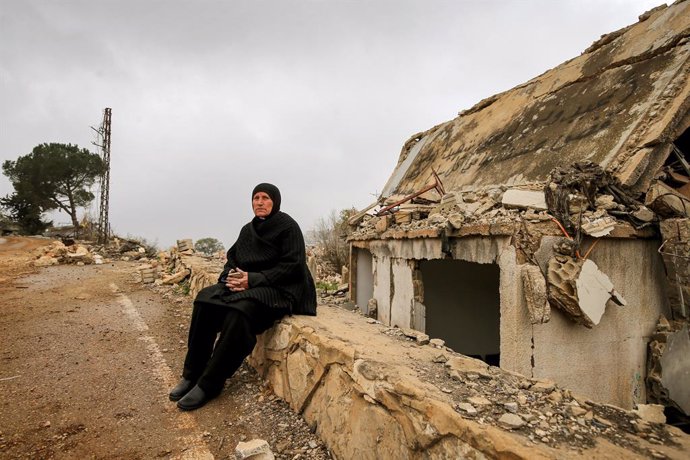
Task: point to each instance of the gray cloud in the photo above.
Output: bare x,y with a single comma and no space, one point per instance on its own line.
318,97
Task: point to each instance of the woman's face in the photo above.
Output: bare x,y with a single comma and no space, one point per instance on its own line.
262,204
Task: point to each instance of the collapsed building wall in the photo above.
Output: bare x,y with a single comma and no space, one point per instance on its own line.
606,362
570,183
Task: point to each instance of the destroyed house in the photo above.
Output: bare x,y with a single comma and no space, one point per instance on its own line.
545,230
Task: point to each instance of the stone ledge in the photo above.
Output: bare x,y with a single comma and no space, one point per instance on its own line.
372,395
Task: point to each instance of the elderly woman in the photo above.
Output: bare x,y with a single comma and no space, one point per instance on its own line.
264,279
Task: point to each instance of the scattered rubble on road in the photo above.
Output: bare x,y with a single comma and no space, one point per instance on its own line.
69,251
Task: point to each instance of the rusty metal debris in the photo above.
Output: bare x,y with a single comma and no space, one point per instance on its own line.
437,185
578,186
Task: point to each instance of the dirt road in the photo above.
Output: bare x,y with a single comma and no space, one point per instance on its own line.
87,357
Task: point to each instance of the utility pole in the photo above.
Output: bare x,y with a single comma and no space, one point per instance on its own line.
103,223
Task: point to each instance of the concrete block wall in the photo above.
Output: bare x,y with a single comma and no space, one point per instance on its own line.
606,363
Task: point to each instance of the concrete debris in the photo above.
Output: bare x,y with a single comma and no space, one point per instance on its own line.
666,201
148,274
651,413
574,189
381,224
668,364
462,365
644,214
86,253
675,365
598,227
606,202
479,401
403,217
534,287
419,337
256,449
511,406
516,198
372,308
601,207
543,386
511,421
456,220
176,278
466,407
438,343
580,289
437,219
675,251
185,245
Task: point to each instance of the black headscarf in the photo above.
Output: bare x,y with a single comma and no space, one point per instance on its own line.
272,191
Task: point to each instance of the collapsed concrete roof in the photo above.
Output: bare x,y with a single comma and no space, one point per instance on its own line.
620,104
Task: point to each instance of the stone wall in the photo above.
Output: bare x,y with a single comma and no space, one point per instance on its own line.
370,392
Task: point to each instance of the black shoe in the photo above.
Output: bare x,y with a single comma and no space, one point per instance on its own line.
195,399
181,389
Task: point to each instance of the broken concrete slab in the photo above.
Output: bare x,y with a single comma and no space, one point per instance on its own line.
644,214
651,413
534,287
594,289
598,227
666,201
185,245
668,364
467,365
176,277
511,421
675,365
419,337
256,449
580,289
516,198
456,220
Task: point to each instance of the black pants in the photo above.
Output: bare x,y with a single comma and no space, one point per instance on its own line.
211,365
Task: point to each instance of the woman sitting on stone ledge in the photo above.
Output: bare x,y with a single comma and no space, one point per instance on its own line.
264,279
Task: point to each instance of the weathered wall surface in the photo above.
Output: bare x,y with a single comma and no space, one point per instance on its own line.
382,287
606,363
403,296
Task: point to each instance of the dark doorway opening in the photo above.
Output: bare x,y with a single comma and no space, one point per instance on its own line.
677,165
463,306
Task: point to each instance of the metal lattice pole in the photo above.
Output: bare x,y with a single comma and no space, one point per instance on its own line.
103,223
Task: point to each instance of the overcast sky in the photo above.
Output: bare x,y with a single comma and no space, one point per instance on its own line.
210,98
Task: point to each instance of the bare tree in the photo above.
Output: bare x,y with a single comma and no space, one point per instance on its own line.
330,235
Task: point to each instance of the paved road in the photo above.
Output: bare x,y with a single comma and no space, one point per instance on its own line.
86,360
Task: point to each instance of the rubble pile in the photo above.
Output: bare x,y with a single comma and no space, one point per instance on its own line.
536,408
69,251
668,369
397,393
584,199
675,250
577,201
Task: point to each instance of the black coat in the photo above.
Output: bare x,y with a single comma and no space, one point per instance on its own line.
272,251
